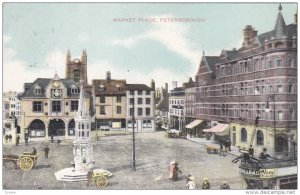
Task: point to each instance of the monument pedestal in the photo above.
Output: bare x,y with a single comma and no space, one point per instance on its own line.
69,174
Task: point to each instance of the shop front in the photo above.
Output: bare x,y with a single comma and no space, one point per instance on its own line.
269,174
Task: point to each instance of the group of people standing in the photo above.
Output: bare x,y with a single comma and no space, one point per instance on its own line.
46,151
224,146
205,184
190,180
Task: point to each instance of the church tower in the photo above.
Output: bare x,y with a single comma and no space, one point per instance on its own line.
76,68
82,146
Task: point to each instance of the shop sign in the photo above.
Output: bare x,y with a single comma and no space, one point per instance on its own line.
253,173
261,173
267,173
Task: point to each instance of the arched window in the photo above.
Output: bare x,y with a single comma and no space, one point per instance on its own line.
259,138
243,135
279,45
76,75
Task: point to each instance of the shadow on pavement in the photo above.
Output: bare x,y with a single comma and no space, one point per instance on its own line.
42,166
129,166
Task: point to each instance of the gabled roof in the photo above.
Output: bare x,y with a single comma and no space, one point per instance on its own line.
43,83
109,87
210,62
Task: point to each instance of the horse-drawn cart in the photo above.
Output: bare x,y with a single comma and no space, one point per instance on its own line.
100,177
26,161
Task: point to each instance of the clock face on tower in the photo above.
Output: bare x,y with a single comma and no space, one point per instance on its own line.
56,93
56,84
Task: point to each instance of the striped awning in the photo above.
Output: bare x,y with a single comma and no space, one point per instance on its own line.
194,124
220,127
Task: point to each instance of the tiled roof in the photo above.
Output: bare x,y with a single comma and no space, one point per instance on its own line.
212,60
163,105
141,87
43,83
109,87
290,31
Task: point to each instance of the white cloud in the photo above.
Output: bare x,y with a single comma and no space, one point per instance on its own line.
171,35
128,43
17,72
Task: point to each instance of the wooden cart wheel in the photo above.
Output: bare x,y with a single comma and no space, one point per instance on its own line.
101,181
26,163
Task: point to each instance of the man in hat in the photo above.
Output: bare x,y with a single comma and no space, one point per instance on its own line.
205,184
46,150
190,182
33,151
264,154
251,150
225,185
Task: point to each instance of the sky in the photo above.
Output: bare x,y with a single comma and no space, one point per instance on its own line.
37,35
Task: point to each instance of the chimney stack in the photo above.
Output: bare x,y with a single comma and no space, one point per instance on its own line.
152,84
249,34
166,88
108,76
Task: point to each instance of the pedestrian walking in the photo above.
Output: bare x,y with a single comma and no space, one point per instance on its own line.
176,171
251,150
17,140
190,182
58,142
221,150
225,186
46,150
226,145
89,177
26,140
229,144
171,169
52,139
205,184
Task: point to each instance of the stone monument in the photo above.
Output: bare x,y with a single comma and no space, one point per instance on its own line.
82,146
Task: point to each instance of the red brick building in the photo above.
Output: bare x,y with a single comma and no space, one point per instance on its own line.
239,85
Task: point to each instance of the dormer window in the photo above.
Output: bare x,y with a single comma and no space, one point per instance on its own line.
74,89
37,90
102,88
117,87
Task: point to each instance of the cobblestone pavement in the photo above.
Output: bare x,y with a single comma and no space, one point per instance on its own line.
153,154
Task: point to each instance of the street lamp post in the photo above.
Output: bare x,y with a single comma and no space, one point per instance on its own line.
133,136
272,98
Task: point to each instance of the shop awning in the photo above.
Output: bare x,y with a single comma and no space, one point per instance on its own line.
220,129
194,124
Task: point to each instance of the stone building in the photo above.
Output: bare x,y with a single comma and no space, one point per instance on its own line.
237,87
140,101
11,108
76,68
48,107
176,108
109,99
